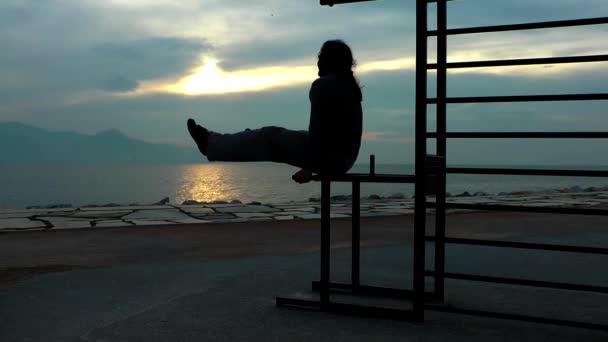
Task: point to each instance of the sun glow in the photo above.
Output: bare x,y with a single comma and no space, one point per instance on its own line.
408,63
210,79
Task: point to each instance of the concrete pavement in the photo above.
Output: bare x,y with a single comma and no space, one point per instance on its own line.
217,298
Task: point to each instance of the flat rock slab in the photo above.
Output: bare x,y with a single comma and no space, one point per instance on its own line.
540,204
252,215
310,209
318,216
32,212
198,210
150,222
20,223
220,205
291,204
296,213
74,225
284,218
190,220
233,220
51,210
378,213
246,209
130,207
341,210
112,223
156,214
15,215
470,200
214,217
259,219
396,211
66,223
297,208
100,214
393,207
509,199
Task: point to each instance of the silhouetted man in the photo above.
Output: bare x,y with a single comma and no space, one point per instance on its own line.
333,139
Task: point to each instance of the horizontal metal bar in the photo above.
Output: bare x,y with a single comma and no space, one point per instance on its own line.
526,26
523,61
368,178
524,282
338,2
368,290
526,172
524,98
504,135
524,209
372,311
349,309
532,319
523,245
372,291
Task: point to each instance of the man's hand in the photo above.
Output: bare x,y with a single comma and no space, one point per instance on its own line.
302,176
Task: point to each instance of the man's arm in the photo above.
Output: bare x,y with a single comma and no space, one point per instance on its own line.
315,129
318,129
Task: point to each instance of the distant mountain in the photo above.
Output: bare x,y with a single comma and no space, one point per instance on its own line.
23,143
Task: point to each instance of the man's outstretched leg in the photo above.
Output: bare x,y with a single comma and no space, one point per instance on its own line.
273,144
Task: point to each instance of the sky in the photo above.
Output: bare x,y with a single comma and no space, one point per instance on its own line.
145,66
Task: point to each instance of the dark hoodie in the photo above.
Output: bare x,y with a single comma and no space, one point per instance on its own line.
336,122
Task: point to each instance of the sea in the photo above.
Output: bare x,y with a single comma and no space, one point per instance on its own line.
23,185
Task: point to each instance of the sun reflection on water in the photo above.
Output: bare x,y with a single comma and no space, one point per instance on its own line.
209,182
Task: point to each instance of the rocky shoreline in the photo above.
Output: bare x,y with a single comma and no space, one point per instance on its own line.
56,217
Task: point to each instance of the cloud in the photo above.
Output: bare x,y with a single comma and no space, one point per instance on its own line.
119,83
148,58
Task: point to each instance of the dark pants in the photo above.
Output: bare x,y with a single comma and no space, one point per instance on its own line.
272,144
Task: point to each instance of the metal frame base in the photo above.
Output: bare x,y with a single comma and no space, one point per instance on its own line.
373,291
358,309
349,309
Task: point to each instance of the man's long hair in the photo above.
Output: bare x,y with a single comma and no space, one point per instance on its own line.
338,59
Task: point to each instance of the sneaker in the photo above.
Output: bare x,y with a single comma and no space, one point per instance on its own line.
199,135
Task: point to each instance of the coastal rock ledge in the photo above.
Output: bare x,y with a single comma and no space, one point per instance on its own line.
64,216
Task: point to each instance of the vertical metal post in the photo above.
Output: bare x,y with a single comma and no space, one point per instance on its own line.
356,235
325,243
441,148
420,198
372,165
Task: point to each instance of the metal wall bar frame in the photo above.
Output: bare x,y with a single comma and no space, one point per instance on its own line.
441,135
440,176
421,299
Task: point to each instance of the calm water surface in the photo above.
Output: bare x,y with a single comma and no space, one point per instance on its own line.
77,184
